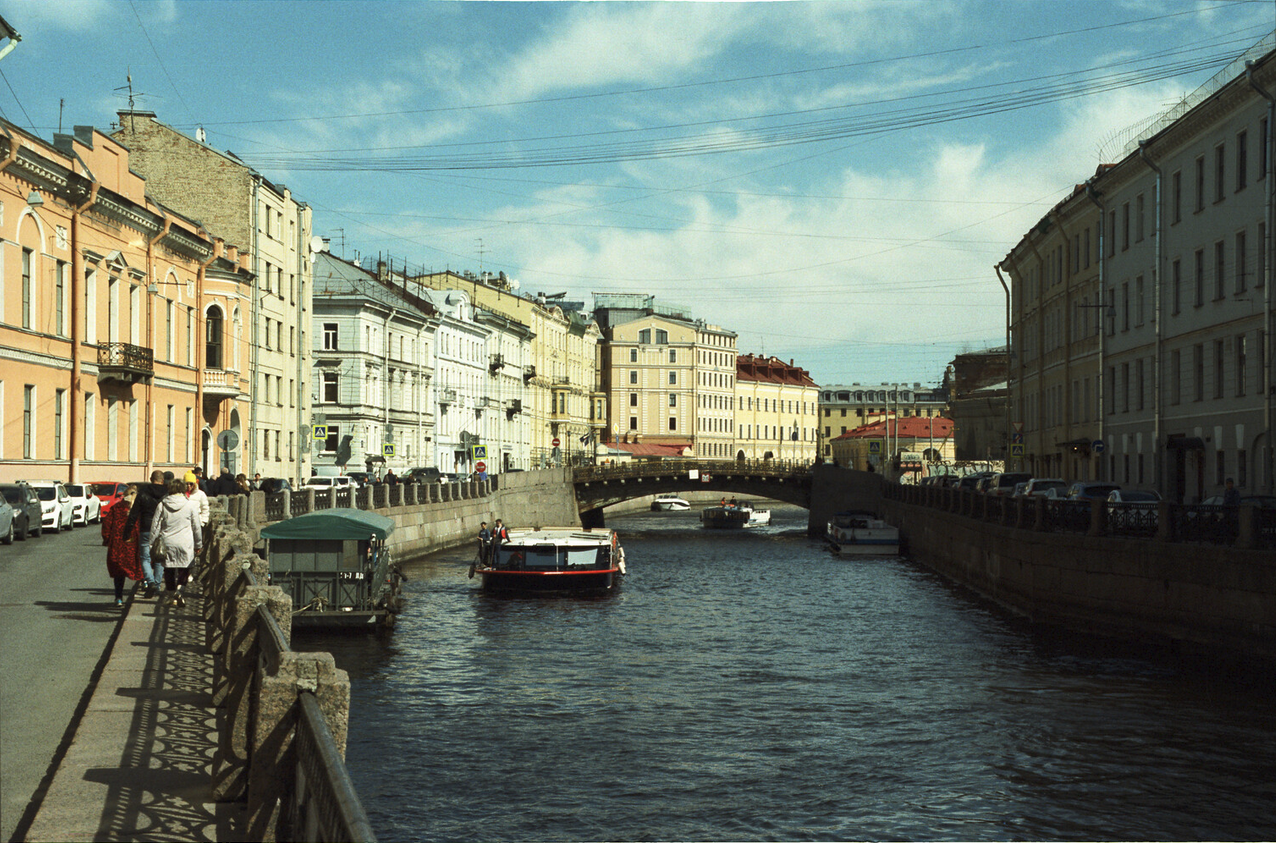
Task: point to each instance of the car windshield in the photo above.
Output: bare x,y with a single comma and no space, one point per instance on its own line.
46,493
76,491
1140,496
1049,484
103,488
12,494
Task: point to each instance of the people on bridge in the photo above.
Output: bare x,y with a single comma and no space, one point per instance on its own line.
122,558
177,522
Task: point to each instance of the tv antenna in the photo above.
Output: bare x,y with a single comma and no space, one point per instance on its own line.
132,95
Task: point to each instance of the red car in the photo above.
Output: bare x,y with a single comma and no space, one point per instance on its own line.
109,494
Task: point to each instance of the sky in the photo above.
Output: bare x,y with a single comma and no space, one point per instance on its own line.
833,181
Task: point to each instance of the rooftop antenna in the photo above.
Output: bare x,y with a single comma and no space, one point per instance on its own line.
481,252
131,96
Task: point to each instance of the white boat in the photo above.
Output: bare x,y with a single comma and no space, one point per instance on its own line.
669,503
734,516
552,560
862,534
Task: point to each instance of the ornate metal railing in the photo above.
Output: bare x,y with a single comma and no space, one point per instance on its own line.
1067,516
126,356
1132,519
1213,524
664,468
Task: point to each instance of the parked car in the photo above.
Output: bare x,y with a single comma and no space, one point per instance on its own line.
1260,501
28,513
972,481
86,508
6,522
1084,490
1038,486
1020,490
360,478
109,493
1144,500
323,484
426,474
57,510
1004,483
270,485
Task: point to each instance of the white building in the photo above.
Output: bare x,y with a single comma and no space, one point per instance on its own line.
460,394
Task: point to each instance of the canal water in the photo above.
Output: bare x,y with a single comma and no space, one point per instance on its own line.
750,686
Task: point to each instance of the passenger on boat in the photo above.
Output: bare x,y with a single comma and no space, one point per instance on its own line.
485,542
499,535
733,502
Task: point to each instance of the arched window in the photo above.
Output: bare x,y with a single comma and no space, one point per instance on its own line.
213,332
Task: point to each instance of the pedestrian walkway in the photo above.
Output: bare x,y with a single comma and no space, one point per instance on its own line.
140,764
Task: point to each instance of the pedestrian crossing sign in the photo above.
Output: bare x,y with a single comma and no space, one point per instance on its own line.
387,450
479,452
319,432
875,447
1016,450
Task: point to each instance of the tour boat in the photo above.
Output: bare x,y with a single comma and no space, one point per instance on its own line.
552,560
734,516
862,533
669,503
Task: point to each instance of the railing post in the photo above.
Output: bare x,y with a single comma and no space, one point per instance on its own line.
1098,518
1038,514
1164,522
1247,527
272,771
287,498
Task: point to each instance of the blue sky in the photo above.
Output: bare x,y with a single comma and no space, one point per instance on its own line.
834,181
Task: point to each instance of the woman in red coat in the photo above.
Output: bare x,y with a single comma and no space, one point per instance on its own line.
121,549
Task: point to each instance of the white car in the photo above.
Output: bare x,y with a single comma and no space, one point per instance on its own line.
323,484
57,511
88,506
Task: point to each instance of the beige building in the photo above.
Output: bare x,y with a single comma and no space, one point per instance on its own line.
564,401
845,407
116,357
274,232
1174,381
776,411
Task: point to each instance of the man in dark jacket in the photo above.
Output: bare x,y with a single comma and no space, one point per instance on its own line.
149,496
223,485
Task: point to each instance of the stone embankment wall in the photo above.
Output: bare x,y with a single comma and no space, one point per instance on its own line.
1199,599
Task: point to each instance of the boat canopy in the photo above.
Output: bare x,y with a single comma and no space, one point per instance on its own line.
332,525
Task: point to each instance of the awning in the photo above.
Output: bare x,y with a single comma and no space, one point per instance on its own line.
332,525
1185,443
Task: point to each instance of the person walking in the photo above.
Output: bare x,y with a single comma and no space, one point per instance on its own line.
123,560
177,523
142,514
197,497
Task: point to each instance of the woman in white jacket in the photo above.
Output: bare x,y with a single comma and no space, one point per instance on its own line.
177,523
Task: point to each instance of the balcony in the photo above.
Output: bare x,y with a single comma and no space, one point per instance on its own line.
447,396
496,363
220,383
513,407
529,372
121,361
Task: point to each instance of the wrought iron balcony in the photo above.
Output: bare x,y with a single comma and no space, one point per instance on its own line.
121,361
529,372
497,362
447,396
514,406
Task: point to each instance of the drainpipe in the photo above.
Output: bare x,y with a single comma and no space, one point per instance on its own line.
1006,287
77,275
250,447
1101,386
389,387
150,333
1269,388
1158,453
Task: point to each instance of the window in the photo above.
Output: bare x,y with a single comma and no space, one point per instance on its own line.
644,336
1198,372
28,422
1125,226
633,355
1138,384
334,439
633,423
330,390
1200,183
1220,172
673,378
59,303
1176,286
1218,368
662,337
1176,197
213,338
1240,365
673,399
1138,218
1199,280
1240,262
330,336
59,410
633,399
673,355
1242,468
1125,306
633,376
1111,233
26,288
1125,387
1176,362
1241,154
1138,301
1220,269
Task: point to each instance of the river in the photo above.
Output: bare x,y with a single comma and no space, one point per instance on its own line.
750,686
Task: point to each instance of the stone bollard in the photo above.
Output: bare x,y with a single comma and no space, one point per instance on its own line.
1164,522
256,510
273,764
287,499
1247,527
231,575
235,739
1038,514
1098,518
229,542
410,493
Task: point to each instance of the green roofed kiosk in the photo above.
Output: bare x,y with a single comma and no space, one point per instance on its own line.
335,565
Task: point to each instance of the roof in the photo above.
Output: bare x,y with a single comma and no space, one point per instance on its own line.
908,427
770,370
332,525
645,449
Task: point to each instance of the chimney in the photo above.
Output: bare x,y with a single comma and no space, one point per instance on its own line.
232,254
381,271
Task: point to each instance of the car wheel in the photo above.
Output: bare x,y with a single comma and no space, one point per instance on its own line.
39,529
70,523
26,530
9,538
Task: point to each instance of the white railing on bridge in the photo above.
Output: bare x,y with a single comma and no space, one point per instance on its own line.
665,468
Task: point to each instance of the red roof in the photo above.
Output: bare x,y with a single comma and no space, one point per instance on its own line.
908,427
647,449
770,370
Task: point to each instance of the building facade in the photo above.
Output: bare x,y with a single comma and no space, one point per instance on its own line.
846,407
1184,253
897,446
273,232
117,357
776,411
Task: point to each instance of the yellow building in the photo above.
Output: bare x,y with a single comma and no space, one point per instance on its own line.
113,343
776,411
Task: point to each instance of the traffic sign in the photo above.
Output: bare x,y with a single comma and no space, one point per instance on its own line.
1018,426
1016,450
228,440
556,442
875,446
387,450
480,467
319,432
1016,437
1097,446
479,452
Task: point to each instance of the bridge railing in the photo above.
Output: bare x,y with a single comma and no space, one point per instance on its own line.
665,468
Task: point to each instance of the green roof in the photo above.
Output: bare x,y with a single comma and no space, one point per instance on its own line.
332,525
